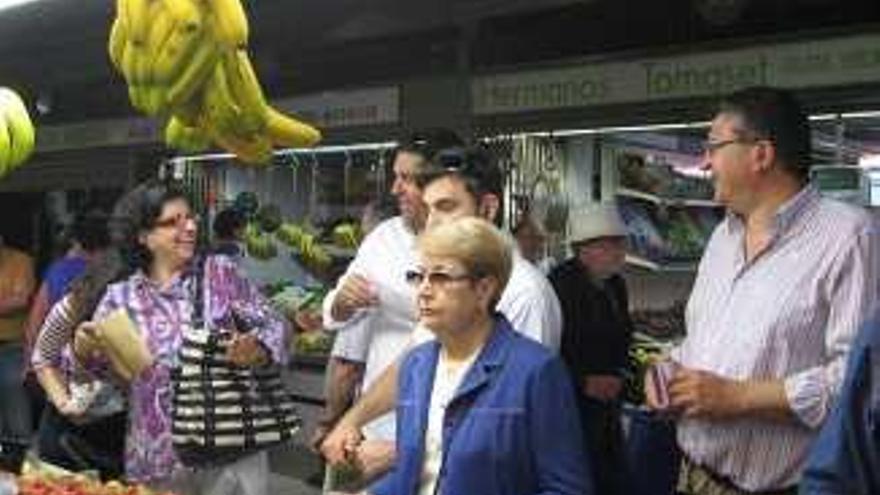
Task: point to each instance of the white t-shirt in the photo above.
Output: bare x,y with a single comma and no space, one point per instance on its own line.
378,336
446,382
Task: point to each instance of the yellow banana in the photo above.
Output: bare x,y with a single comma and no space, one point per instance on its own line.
137,95
194,75
289,132
139,20
123,13
129,60
219,105
19,127
182,137
161,27
155,99
190,111
116,42
253,150
228,22
245,90
141,63
178,47
5,147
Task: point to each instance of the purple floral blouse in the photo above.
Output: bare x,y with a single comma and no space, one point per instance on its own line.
162,315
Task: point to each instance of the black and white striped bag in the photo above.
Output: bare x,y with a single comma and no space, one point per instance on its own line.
221,411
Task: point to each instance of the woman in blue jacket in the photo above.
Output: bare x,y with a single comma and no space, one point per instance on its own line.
481,410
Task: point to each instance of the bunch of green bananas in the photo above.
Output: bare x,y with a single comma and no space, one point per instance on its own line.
187,61
259,244
305,244
17,135
347,235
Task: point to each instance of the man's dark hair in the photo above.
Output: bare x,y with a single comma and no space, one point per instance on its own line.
427,142
90,229
475,167
227,223
775,115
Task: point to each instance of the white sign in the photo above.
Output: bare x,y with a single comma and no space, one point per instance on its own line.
838,61
361,107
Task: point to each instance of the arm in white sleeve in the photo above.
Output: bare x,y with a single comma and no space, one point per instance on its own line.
851,293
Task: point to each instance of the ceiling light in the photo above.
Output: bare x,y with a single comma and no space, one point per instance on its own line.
5,4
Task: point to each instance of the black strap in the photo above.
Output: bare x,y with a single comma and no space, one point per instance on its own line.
198,316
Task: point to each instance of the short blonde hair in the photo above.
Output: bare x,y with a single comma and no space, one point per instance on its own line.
475,243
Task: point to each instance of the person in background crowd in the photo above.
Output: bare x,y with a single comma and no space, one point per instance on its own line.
377,211
596,334
66,437
228,227
457,183
372,308
454,391
845,459
17,285
785,282
532,241
157,231
89,238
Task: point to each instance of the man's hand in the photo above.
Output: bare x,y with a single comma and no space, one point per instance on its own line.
246,350
605,388
357,292
700,394
342,441
374,457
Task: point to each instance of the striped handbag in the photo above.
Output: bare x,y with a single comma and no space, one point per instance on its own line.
220,411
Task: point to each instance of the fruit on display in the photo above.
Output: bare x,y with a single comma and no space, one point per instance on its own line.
186,61
347,235
290,234
259,244
269,218
17,135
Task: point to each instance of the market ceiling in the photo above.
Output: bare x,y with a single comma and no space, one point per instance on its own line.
55,49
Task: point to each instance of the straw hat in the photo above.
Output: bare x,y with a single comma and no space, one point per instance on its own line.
594,221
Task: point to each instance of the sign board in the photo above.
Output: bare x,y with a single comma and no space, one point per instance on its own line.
843,183
838,61
363,107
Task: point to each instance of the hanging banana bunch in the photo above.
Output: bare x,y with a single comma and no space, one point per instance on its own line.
186,61
17,135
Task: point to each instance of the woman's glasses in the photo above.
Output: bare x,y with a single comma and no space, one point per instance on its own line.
180,221
435,278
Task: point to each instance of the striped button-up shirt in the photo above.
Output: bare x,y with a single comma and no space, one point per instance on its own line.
790,314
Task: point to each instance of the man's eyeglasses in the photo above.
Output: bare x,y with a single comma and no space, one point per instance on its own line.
180,220
438,278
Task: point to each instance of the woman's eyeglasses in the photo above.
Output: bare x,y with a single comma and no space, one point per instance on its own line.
180,220
435,278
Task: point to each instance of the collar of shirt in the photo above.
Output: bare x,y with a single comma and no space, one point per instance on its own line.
785,217
178,287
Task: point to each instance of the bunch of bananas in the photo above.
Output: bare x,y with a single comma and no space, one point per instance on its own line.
306,246
187,61
259,244
347,235
17,134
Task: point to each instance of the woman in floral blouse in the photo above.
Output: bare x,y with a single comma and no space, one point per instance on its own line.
157,232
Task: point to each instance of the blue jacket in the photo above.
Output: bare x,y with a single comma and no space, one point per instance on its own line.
845,459
512,428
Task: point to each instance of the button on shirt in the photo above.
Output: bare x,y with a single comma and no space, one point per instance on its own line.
790,314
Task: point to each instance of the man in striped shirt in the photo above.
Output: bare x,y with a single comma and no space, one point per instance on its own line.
784,284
